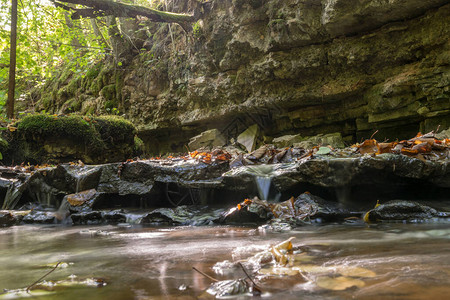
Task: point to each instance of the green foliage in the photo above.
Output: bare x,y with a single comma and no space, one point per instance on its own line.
197,29
45,41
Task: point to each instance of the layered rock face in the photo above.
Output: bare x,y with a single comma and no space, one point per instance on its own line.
293,66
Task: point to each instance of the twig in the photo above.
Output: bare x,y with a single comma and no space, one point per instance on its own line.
206,275
37,281
373,134
248,276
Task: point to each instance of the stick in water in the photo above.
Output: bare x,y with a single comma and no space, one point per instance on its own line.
248,276
206,275
37,281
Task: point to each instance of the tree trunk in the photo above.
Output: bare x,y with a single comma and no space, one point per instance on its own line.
12,61
117,9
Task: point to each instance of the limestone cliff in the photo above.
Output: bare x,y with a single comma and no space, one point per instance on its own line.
291,66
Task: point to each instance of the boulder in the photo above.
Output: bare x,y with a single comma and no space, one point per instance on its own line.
332,139
209,138
40,217
310,207
6,218
249,137
400,210
115,216
87,218
286,140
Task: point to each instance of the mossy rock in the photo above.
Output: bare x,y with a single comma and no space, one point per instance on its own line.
93,72
115,130
47,138
41,126
109,92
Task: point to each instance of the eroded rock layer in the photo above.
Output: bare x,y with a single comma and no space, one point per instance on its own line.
308,67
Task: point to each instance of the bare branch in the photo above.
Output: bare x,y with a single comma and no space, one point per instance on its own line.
117,9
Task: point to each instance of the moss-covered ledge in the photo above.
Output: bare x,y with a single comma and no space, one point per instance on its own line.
44,138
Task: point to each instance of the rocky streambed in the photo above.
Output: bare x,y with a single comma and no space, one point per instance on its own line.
325,184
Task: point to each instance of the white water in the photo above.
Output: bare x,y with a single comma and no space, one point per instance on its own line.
263,184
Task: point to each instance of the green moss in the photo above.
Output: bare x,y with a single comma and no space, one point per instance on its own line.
62,95
109,92
46,102
114,130
96,86
73,105
89,110
73,86
110,105
65,75
41,126
93,72
139,145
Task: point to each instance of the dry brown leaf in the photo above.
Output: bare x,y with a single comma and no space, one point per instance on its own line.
368,147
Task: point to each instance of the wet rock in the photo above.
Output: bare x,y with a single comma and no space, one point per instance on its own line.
305,209
310,207
40,217
6,218
80,202
209,138
87,218
115,216
183,215
400,210
81,198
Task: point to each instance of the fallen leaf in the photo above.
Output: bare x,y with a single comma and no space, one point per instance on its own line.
323,151
422,147
368,147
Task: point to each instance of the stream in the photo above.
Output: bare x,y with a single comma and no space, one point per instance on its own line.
409,261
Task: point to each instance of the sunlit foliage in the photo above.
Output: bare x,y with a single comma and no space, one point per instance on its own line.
46,38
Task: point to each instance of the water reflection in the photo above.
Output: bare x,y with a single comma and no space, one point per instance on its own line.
411,261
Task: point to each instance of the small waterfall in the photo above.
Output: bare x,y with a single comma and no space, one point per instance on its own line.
63,211
263,184
78,178
263,175
13,194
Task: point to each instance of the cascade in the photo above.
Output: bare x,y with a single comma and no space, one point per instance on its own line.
13,194
263,175
263,184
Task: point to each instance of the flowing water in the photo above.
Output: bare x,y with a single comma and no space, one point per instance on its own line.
409,261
